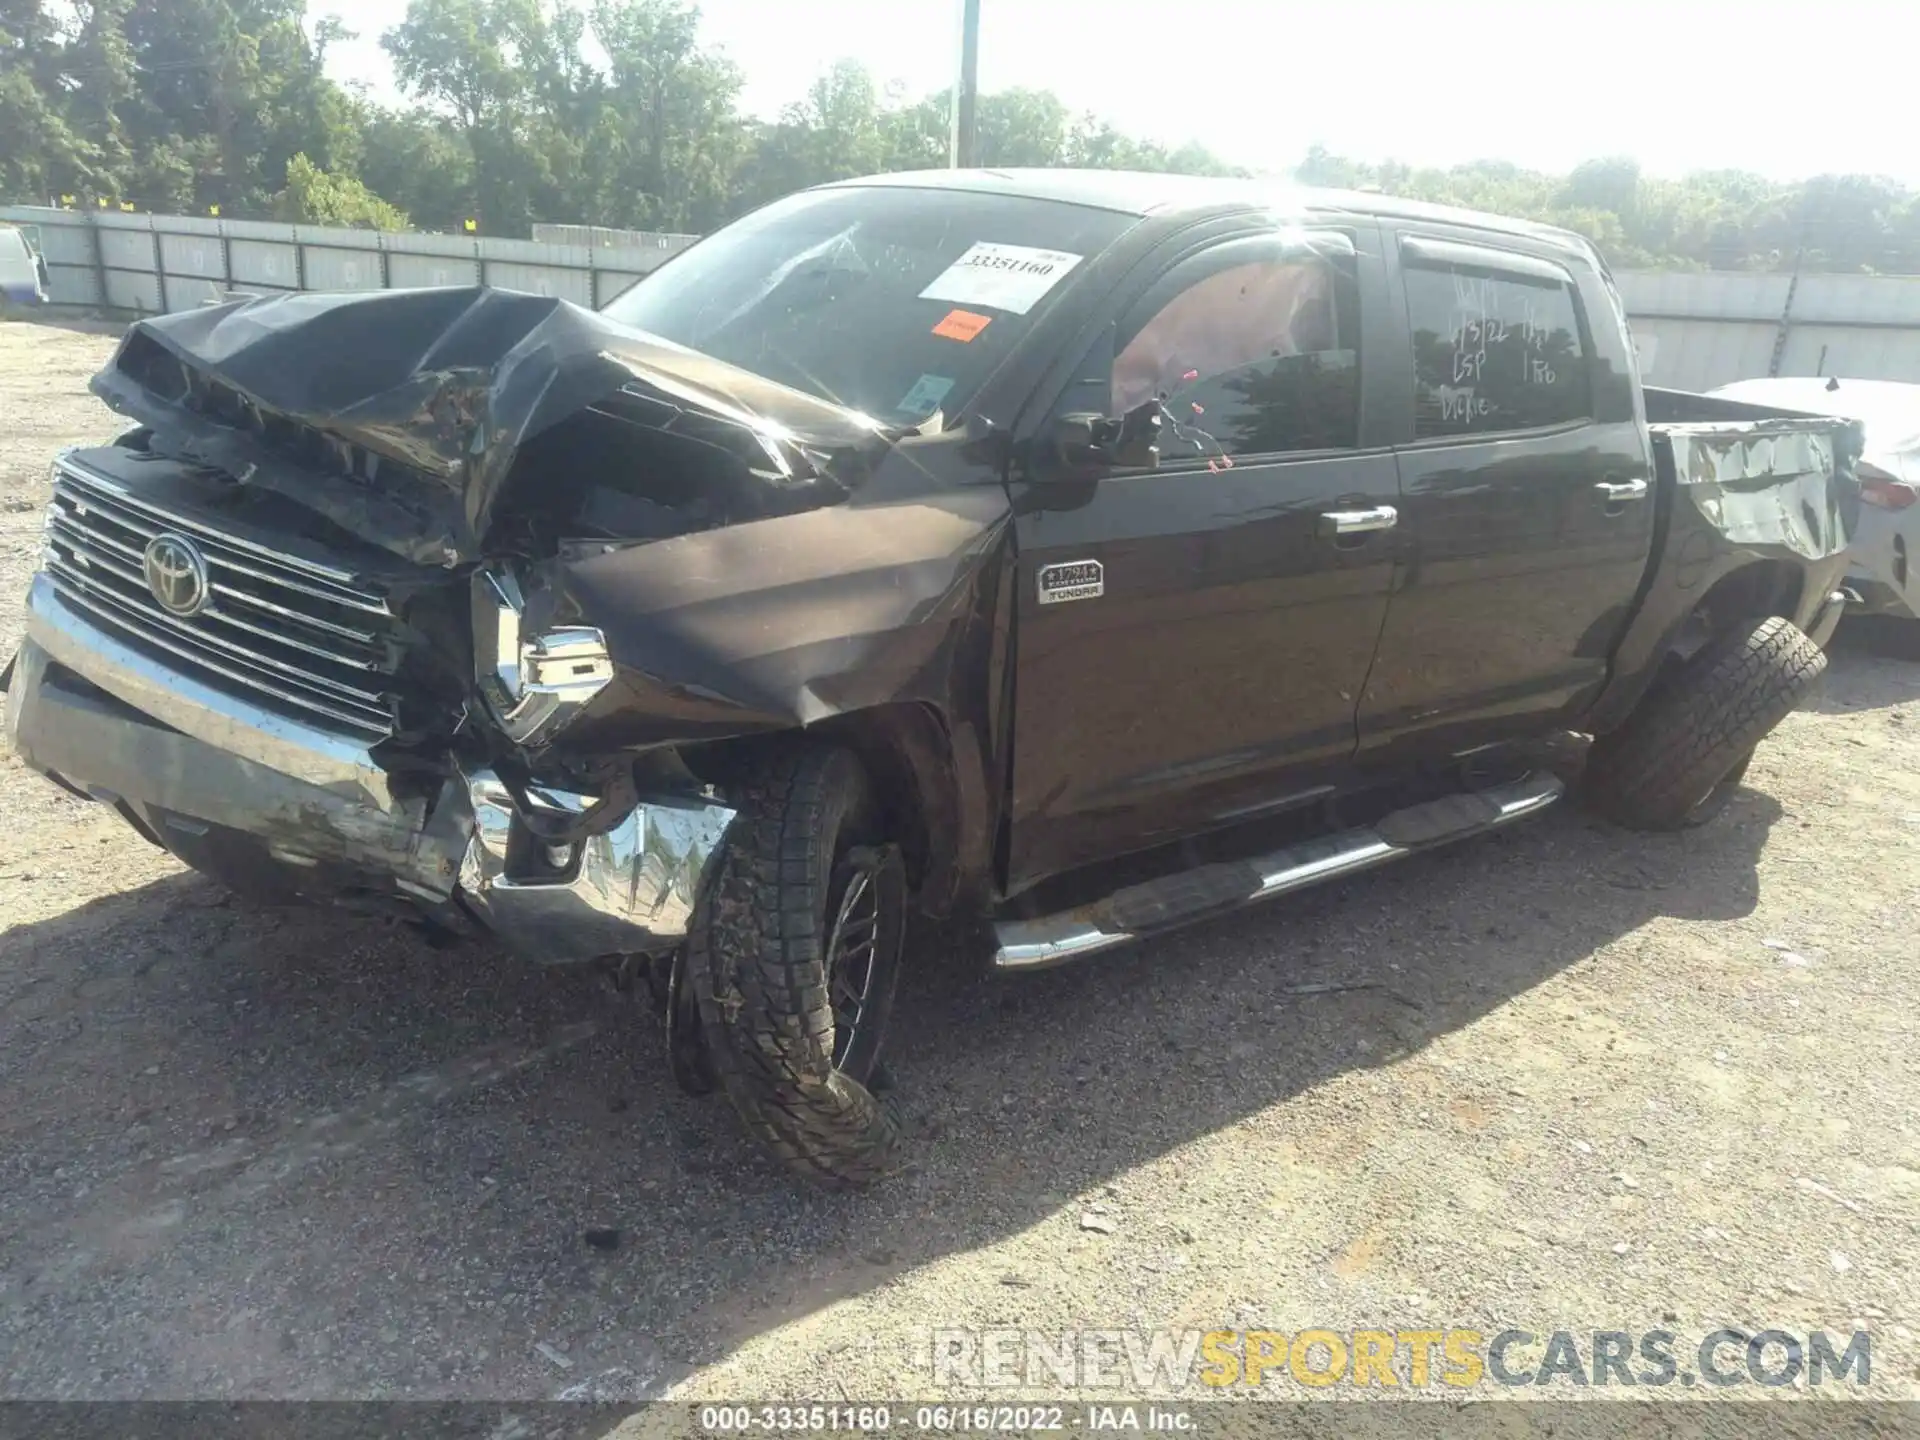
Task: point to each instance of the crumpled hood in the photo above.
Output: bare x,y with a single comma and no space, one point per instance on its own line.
399,414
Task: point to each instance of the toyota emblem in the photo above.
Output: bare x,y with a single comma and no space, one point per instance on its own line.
177,575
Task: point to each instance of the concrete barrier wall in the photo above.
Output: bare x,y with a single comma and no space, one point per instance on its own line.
1696,331
150,264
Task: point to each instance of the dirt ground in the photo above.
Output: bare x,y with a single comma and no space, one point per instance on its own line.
1561,1077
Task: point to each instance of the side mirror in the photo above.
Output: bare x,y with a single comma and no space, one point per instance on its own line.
1080,440
1084,439
1137,447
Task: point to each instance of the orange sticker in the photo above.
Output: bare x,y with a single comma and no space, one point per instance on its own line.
962,325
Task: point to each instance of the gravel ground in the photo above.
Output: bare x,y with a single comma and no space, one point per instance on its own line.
1561,1077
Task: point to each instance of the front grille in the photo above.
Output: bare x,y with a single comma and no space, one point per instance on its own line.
296,637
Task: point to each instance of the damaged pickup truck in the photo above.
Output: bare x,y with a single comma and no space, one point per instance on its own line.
1072,555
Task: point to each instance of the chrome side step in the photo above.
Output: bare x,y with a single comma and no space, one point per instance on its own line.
1216,889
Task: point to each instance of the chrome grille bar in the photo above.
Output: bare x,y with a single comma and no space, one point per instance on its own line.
164,518
241,557
99,573
115,617
63,524
278,626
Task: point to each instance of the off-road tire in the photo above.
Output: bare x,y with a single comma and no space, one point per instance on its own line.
757,961
1678,759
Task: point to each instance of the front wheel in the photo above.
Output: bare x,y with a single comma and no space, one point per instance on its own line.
794,959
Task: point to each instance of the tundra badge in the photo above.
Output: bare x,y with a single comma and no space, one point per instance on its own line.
1073,580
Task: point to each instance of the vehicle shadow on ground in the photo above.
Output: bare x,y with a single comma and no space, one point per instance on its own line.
388,1156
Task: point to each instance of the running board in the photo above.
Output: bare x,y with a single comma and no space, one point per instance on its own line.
1216,889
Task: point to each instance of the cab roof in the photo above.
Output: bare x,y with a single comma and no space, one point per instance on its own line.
1144,193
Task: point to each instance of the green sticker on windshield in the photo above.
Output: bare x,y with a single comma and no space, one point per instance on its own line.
925,396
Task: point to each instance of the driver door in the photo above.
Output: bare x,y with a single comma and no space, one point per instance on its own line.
1193,637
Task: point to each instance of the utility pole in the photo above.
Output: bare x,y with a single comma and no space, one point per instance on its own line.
963,150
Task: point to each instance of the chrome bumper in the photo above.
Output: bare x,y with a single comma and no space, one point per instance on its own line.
629,889
172,753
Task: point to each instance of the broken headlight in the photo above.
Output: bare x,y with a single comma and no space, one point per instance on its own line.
533,680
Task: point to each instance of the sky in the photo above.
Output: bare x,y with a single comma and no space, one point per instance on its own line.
1787,90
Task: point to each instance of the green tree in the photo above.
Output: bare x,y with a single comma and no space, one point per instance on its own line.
846,126
616,112
1022,128
675,140
313,197
419,161
96,77
474,58
838,131
41,151
915,135
1612,184
1335,172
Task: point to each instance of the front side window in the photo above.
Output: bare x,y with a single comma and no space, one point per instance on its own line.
892,301
1249,356
1494,352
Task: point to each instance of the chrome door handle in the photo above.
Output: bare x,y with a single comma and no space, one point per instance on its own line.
1616,492
1358,522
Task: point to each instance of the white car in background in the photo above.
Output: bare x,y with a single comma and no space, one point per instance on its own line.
23,271
1886,539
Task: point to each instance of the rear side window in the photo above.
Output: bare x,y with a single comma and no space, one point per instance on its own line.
1493,350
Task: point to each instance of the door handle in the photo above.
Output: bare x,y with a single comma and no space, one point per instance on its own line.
1358,522
1616,492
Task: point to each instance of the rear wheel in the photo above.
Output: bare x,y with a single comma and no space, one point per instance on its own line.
1681,756
793,962
1716,799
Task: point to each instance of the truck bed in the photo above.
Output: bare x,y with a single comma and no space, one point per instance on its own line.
1765,494
1756,475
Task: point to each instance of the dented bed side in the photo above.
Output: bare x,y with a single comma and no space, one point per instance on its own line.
1740,487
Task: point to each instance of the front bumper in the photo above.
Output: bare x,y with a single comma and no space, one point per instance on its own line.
175,756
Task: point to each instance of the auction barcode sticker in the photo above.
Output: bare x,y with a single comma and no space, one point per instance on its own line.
1003,277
